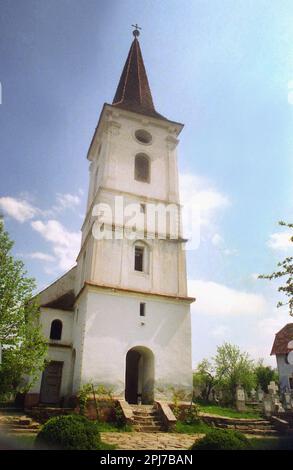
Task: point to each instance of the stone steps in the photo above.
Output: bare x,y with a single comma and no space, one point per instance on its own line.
42,413
21,430
148,428
18,424
266,431
261,427
146,419
31,427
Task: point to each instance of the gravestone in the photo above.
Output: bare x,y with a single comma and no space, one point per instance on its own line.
287,400
218,396
240,398
260,394
273,388
253,394
271,401
267,405
277,405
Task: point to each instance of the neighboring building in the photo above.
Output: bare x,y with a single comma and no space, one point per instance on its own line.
121,316
282,349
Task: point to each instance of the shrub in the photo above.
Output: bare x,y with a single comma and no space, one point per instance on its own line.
69,432
83,397
119,416
192,415
222,439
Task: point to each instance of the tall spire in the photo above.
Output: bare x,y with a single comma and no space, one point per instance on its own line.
133,92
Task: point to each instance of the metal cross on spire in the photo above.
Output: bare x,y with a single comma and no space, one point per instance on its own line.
136,32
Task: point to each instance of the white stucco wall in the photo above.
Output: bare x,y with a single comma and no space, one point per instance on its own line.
111,262
113,326
106,323
116,146
48,315
285,371
58,350
64,355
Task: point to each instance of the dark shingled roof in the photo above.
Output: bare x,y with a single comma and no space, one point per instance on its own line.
64,302
133,92
282,339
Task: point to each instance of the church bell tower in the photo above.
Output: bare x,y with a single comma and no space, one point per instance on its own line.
132,314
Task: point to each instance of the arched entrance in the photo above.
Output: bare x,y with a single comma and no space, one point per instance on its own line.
139,376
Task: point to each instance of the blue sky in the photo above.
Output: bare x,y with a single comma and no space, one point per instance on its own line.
223,68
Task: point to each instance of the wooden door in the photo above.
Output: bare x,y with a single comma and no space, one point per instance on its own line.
51,383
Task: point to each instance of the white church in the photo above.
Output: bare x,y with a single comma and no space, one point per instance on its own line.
121,317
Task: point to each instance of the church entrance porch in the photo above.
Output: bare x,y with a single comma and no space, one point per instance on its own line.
139,376
51,383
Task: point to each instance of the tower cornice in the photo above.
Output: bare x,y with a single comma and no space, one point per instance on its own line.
112,113
112,289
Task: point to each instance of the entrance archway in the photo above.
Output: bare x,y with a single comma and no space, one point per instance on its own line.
139,376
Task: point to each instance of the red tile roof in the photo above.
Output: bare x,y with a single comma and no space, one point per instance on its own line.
282,339
133,92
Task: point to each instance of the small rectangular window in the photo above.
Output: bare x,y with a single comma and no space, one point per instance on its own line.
142,309
138,258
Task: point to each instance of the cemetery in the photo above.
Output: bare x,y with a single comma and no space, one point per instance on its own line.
266,418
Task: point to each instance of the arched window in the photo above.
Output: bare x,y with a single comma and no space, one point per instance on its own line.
56,329
142,168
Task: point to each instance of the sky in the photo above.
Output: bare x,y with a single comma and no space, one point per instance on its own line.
222,67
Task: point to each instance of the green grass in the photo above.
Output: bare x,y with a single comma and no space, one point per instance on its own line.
27,442
24,441
272,443
111,427
105,446
263,443
198,428
228,412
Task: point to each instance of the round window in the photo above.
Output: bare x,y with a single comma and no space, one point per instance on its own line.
143,136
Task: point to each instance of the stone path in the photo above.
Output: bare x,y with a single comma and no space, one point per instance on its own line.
149,440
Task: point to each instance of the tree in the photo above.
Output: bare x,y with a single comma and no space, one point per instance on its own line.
23,345
233,368
264,375
285,270
204,378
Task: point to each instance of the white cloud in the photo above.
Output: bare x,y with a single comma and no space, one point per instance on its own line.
219,300
198,193
220,331
230,251
271,325
260,343
65,244
66,201
18,209
217,240
280,241
22,210
255,276
201,204
41,256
